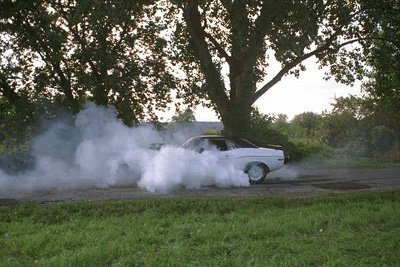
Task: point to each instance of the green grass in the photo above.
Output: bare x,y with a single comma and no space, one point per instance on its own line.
354,162
361,229
368,163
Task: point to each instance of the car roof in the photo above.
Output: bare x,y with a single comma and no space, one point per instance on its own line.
212,136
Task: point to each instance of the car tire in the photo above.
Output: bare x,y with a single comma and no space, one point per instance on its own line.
257,172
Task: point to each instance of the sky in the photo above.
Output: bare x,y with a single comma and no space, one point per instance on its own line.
292,96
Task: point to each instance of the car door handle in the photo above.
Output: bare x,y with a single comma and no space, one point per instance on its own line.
226,156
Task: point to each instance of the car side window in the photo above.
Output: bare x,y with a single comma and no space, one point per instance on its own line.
220,144
231,145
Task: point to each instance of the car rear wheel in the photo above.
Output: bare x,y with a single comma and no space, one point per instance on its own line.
257,172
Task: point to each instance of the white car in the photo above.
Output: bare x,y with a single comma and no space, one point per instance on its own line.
255,161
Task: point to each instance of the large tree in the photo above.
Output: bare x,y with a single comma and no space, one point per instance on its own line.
383,58
225,47
71,51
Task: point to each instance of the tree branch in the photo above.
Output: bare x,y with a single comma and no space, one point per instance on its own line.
219,48
257,37
7,91
216,88
297,61
48,58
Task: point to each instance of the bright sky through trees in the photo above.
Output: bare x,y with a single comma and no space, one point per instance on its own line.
291,96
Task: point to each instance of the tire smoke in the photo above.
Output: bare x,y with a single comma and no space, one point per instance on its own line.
98,150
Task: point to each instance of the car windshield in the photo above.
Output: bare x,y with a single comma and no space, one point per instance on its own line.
192,143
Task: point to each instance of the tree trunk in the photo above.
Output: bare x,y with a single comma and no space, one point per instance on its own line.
236,119
100,95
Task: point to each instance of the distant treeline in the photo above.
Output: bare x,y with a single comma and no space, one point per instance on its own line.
356,127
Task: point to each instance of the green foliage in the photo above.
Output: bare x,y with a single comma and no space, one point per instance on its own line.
213,35
351,130
309,149
64,53
14,134
383,138
345,124
184,116
213,132
304,126
383,58
383,53
19,123
264,134
380,106
358,229
68,52
336,129
281,124
360,127
368,163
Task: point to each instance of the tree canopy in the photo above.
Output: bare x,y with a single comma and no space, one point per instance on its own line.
225,47
109,52
383,57
131,54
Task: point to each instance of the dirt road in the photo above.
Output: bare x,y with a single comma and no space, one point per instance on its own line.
291,181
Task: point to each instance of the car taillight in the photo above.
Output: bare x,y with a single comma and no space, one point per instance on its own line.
287,157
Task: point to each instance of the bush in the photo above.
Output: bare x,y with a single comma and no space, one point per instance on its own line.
393,155
311,148
383,139
354,148
213,131
262,133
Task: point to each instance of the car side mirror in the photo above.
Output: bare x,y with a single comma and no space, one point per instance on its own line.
201,150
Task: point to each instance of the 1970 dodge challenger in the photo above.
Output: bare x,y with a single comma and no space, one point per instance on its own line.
255,161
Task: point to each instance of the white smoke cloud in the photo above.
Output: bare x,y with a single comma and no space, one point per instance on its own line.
173,166
98,150
287,172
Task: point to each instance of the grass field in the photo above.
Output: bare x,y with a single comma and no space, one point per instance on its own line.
351,162
367,163
358,229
